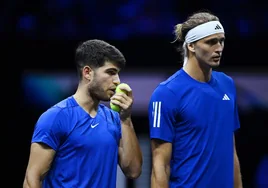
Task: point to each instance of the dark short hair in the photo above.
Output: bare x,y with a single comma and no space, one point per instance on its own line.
95,53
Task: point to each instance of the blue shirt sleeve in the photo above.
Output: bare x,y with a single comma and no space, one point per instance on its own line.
162,114
49,128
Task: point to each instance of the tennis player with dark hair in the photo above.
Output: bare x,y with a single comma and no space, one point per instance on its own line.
79,142
193,114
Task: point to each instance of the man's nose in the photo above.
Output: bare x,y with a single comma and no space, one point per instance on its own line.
116,79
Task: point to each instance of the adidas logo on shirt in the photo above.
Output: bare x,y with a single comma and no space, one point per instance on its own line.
217,27
225,98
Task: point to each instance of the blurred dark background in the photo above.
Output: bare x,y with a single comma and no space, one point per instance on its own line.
38,39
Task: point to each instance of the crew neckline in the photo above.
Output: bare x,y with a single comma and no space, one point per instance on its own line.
210,82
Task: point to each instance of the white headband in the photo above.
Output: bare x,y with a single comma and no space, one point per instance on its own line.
203,30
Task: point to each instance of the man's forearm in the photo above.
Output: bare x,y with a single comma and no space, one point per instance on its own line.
31,183
160,178
131,152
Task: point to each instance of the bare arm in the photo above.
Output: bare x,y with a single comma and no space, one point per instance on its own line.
161,154
130,156
41,157
237,173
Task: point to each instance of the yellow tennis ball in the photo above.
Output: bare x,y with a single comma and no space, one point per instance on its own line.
114,107
118,90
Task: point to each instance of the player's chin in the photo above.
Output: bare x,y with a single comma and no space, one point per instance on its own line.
214,64
110,93
105,97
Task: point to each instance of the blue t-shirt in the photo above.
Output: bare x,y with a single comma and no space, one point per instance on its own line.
86,148
199,120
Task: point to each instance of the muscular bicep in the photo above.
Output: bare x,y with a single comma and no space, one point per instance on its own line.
161,153
40,159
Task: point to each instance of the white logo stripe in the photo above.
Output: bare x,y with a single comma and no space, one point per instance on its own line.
155,112
159,114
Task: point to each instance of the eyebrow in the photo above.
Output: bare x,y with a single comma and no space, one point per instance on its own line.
112,69
215,39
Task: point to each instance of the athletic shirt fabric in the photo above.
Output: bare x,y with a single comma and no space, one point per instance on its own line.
86,148
199,119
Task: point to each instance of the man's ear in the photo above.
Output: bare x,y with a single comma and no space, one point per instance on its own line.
191,47
87,72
